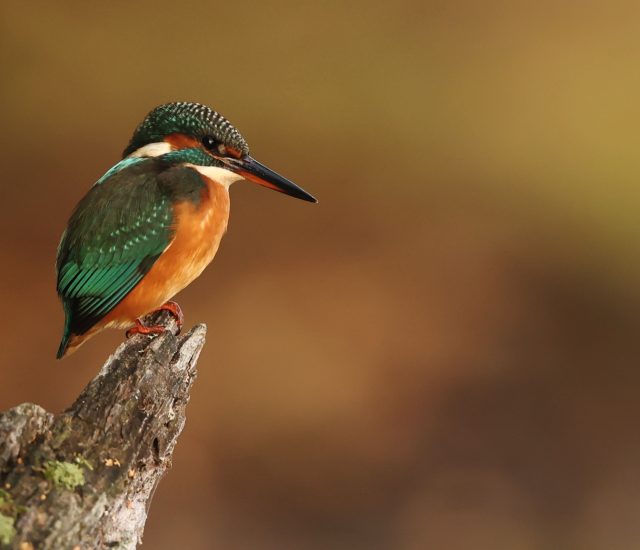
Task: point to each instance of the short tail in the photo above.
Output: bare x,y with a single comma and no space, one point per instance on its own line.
71,342
66,334
64,345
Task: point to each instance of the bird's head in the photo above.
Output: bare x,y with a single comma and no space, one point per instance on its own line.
194,134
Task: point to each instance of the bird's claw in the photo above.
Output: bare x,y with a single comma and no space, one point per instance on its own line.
140,328
175,310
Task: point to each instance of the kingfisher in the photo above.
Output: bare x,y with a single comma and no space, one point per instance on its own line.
151,224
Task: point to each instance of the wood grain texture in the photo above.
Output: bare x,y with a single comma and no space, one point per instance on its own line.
84,478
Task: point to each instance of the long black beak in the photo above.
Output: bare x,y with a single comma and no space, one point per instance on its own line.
249,168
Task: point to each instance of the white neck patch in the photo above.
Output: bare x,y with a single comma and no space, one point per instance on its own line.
153,150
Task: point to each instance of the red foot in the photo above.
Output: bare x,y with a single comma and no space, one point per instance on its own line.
175,310
141,329
171,307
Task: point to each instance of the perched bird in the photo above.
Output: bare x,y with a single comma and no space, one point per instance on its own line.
152,223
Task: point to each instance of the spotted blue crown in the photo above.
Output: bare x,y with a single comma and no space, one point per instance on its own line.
192,119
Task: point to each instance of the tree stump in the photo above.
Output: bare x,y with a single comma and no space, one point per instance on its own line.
84,479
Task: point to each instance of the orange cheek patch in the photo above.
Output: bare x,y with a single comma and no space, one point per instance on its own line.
233,152
181,141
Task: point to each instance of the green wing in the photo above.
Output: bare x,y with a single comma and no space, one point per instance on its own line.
113,238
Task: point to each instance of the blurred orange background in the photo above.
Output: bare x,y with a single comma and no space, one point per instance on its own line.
443,353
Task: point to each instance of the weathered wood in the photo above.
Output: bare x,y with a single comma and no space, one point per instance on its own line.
84,479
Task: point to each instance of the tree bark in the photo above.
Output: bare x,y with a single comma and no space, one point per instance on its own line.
84,479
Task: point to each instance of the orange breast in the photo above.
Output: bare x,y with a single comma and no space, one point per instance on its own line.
198,231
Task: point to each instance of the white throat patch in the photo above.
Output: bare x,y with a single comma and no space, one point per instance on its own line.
220,175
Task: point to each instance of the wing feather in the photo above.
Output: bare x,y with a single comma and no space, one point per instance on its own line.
113,238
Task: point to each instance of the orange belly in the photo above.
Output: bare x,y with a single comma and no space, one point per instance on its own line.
198,231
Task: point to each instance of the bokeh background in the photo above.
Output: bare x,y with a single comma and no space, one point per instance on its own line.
444,352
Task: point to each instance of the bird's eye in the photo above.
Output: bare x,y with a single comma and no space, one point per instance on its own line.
209,142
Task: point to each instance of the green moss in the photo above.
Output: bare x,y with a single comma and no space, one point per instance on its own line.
64,474
7,530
